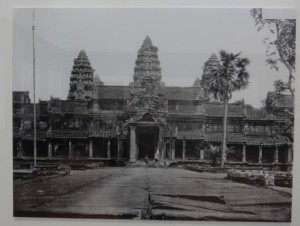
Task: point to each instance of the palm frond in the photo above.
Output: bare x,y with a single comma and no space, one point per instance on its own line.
229,77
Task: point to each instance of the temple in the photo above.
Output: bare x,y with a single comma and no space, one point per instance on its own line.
148,118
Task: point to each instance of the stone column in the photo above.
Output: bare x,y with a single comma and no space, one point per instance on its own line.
170,151
203,128
173,149
20,151
132,157
276,154
201,154
87,147
55,148
49,149
260,154
108,149
119,148
163,154
91,154
183,149
290,153
161,142
137,147
70,149
244,153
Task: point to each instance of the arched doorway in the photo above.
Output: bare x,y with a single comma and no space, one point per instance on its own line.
147,136
147,140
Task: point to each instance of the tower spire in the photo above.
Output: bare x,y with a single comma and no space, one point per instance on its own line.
81,80
211,64
147,90
147,66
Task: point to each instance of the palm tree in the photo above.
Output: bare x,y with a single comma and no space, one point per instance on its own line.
230,76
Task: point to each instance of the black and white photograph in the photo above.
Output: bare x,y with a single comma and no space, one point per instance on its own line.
176,114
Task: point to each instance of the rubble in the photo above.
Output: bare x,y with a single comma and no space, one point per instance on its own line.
262,178
284,179
52,169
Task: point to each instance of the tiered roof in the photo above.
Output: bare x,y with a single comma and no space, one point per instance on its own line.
217,110
41,109
171,93
230,138
190,135
146,91
267,141
41,135
57,106
147,65
197,82
63,134
81,81
211,64
103,133
97,81
284,101
111,92
21,97
257,114
183,93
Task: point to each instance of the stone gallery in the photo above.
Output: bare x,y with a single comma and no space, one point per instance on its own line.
149,119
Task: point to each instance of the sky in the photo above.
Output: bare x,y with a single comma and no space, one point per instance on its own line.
111,37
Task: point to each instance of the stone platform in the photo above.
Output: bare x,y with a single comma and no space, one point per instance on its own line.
149,193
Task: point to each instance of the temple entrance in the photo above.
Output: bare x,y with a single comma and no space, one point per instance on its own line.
147,141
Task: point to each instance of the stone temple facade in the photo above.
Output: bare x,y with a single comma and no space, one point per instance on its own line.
147,118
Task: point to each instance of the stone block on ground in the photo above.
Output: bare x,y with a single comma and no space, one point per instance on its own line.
251,177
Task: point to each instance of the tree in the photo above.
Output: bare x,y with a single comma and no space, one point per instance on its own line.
281,46
230,76
215,152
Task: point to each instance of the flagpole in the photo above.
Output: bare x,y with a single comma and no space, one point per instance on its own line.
34,107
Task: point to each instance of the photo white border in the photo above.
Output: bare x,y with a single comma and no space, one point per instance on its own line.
6,195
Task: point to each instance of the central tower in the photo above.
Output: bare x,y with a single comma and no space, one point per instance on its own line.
147,66
147,105
147,90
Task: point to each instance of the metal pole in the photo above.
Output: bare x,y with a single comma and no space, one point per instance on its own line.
34,107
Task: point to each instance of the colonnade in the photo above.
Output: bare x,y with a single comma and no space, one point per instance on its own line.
53,146
244,155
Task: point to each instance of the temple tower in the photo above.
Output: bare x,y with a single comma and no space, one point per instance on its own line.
213,63
147,66
146,90
197,82
97,81
147,106
81,81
